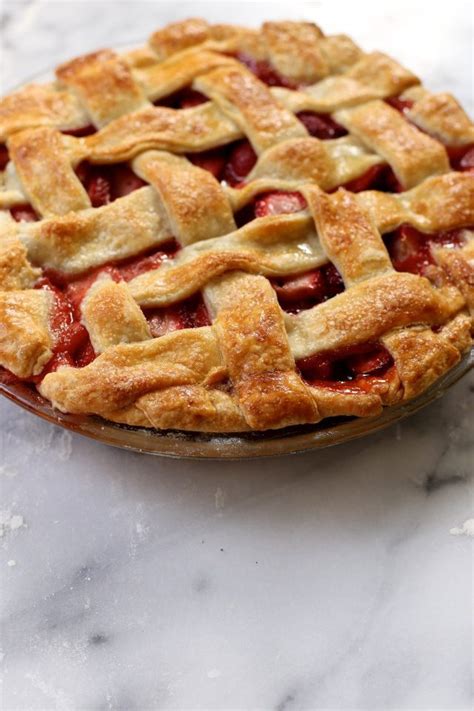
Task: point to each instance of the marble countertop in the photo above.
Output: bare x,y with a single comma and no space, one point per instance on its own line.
339,580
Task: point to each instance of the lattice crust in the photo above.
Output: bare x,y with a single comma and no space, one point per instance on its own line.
246,370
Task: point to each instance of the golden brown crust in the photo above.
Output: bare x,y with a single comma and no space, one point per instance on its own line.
240,373
252,337
348,236
250,104
300,160
294,50
40,152
16,272
186,192
441,116
79,241
440,203
369,310
25,338
382,73
269,246
412,155
37,105
111,315
421,357
104,84
188,130
178,36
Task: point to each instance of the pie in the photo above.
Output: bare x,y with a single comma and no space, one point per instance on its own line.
232,230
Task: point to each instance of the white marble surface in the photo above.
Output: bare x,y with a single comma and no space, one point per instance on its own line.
325,581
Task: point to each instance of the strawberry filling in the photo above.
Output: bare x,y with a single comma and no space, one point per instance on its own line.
241,160
185,98
461,158
411,250
71,341
321,126
399,104
191,313
81,132
24,213
106,183
301,292
4,157
214,161
264,71
378,177
352,368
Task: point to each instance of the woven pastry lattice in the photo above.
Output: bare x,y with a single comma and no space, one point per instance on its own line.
234,229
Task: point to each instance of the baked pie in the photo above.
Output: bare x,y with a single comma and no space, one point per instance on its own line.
234,229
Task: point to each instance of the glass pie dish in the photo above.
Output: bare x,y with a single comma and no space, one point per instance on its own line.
191,445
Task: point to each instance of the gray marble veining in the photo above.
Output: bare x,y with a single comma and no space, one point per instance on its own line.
324,581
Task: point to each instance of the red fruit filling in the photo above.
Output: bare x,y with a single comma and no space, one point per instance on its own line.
277,202
191,313
346,368
4,157
213,161
306,290
378,177
106,183
81,132
461,158
185,98
23,213
401,105
71,340
321,125
410,250
241,159
264,71
231,163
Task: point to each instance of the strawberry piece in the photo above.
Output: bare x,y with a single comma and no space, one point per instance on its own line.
124,181
58,359
334,282
85,355
23,213
264,71
321,125
213,160
311,285
409,250
241,161
200,316
140,266
190,97
166,320
401,105
467,161
191,313
81,132
316,367
369,363
367,180
307,290
279,203
99,188
4,156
